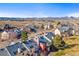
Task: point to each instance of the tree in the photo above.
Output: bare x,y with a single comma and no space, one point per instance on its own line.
58,23
58,42
42,26
24,36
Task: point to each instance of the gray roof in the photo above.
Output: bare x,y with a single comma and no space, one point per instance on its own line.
50,35
64,28
4,52
30,44
18,31
14,48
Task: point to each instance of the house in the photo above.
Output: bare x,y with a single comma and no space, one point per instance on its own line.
32,46
12,35
48,26
57,32
18,33
45,42
32,28
8,35
45,39
45,27
42,39
50,35
71,31
8,26
66,30
4,35
16,48
75,29
4,52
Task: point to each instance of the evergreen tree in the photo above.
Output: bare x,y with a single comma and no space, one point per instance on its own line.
58,42
24,36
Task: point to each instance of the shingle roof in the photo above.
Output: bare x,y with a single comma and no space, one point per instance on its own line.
14,48
30,44
32,28
4,52
50,35
64,28
42,39
17,31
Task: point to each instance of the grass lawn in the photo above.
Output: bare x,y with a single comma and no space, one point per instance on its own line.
72,50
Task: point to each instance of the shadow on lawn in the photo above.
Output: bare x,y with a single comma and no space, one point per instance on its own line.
72,45
54,49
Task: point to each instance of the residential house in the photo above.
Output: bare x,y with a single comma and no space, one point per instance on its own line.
57,32
66,30
50,35
4,35
12,35
18,33
8,27
32,28
48,26
44,41
32,47
16,49
8,35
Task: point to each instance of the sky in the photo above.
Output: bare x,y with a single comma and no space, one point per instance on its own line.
39,9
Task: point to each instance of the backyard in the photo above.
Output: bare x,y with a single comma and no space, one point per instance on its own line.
71,50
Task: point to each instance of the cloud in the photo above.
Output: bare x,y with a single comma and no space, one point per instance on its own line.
74,14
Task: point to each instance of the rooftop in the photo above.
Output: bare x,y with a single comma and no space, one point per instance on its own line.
4,52
13,49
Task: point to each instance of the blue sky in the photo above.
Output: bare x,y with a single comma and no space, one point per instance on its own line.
39,9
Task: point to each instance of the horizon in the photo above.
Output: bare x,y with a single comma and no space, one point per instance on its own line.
39,10
41,17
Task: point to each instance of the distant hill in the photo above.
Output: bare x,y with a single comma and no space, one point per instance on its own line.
35,18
